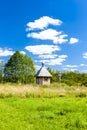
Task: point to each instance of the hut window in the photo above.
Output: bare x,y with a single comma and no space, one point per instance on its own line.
46,79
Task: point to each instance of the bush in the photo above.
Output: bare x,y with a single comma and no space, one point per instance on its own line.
84,83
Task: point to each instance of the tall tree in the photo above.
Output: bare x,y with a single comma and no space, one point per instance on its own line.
54,73
19,68
1,70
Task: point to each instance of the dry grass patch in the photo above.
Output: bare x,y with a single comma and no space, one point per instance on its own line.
38,91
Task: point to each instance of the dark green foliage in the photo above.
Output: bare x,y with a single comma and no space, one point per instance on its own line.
84,80
69,78
74,78
19,69
84,83
54,74
1,78
1,70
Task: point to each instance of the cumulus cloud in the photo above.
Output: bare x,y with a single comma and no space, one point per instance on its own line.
70,69
56,61
43,23
42,49
63,56
39,29
61,39
85,55
48,56
83,65
71,66
6,52
45,35
49,34
73,40
23,52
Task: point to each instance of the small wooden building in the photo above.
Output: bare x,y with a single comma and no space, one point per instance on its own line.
43,76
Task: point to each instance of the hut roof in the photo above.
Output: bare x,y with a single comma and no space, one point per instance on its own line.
43,72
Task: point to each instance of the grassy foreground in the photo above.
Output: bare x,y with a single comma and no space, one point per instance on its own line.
54,107
61,113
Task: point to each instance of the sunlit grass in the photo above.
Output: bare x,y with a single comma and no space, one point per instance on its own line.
63,113
33,107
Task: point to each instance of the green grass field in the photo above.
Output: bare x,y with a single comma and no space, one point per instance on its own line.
60,113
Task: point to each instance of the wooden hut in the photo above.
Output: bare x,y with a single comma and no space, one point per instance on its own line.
43,76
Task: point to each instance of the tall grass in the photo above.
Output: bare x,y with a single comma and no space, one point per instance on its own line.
54,90
42,107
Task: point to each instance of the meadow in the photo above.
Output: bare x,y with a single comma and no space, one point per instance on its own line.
61,107
43,113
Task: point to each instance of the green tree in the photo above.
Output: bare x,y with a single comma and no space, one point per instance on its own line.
19,69
84,80
54,74
74,78
1,70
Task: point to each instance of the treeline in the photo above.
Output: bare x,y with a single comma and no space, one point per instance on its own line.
69,78
21,69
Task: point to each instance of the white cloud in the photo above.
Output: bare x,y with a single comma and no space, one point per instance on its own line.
45,35
56,61
73,40
23,52
61,39
63,56
6,52
49,34
70,69
42,49
48,56
71,66
45,52
83,65
39,29
43,23
85,55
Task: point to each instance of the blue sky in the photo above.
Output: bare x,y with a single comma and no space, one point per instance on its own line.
49,31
